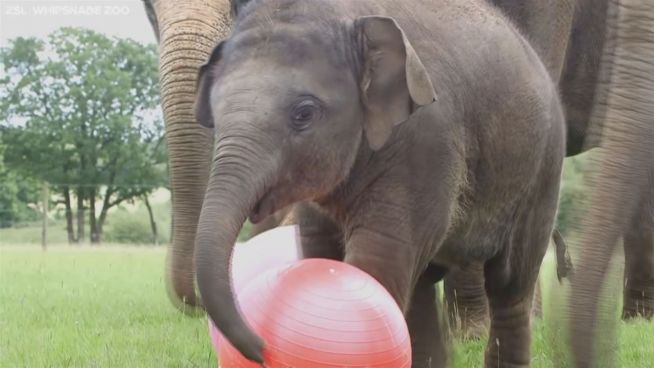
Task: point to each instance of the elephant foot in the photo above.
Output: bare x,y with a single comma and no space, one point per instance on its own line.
638,300
471,324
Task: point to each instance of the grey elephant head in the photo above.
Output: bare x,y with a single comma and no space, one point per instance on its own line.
296,94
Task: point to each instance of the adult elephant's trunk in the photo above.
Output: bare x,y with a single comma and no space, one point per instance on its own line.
624,163
234,189
187,31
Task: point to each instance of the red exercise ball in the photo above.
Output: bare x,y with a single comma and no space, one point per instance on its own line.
267,250
261,253
319,313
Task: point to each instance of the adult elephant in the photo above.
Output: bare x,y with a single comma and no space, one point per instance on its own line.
588,45
601,52
623,180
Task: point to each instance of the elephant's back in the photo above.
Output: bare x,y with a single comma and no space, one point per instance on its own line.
469,45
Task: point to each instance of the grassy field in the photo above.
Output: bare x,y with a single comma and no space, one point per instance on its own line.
107,307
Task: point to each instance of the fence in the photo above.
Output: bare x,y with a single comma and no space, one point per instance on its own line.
47,220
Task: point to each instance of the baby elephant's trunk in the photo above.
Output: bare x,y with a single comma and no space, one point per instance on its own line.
231,194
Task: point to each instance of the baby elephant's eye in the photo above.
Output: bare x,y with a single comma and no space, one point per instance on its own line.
304,113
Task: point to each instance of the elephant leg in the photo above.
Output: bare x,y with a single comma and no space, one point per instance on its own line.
466,302
639,264
510,331
511,279
320,236
424,321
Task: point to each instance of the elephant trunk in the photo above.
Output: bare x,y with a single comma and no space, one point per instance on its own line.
623,164
187,31
234,189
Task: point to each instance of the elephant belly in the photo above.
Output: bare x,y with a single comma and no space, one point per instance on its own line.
477,238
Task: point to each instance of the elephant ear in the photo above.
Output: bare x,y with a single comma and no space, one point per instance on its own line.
394,82
206,79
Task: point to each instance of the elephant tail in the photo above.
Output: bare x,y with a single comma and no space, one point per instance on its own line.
564,267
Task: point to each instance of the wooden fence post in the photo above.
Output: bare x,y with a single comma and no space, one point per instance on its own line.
45,200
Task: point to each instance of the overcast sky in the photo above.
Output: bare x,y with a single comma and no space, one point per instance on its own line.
27,18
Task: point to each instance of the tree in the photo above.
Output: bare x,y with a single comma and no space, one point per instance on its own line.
80,111
16,195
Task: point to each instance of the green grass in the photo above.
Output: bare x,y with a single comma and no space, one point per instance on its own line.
32,234
634,347
93,308
107,307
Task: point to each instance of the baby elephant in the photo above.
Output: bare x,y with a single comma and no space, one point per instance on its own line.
421,135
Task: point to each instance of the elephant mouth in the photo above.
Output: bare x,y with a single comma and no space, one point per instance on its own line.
262,209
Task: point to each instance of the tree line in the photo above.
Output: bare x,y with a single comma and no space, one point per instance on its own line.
80,111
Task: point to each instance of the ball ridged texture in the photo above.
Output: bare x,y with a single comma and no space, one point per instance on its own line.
319,313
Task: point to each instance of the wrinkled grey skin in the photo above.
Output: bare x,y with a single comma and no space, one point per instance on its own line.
607,86
638,242
573,38
186,31
333,103
465,296
622,182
